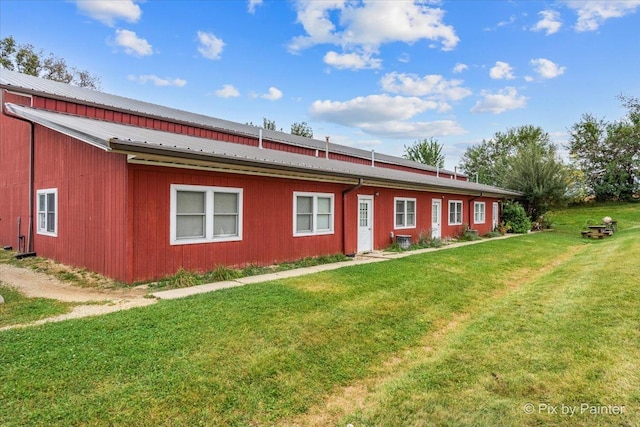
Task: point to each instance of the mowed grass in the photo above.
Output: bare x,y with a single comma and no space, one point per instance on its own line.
19,309
465,336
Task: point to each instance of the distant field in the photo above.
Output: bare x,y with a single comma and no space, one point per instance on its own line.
541,329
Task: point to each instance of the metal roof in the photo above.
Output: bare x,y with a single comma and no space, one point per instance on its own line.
34,85
136,140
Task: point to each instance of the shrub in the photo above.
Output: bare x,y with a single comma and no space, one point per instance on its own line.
514,215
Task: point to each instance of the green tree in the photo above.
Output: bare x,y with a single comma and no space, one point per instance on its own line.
25,59
488,160
427,151
608,153
268,124
540,175
302,129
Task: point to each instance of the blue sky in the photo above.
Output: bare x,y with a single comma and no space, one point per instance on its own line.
372,74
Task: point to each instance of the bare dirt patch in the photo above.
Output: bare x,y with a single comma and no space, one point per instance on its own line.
34,284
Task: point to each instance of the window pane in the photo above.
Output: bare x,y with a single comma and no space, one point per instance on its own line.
225,203
189,226
411,219
51,202
303,223
51,222
364,214
190,202
400,206
42,220
304,205
399,220
41,203
225,225
324,205
324,222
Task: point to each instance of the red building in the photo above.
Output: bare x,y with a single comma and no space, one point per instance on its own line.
136,191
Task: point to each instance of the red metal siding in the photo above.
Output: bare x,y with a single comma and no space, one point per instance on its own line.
91,185
14,173
267,223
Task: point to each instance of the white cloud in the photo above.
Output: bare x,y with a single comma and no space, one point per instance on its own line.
433,86
550,22
253,4
108,11
365,26
459,67
404,58
133,45
351,61
273,95
370,109
592,14
157,81
501,70
547,69
496,103
227,91
409,130
210,46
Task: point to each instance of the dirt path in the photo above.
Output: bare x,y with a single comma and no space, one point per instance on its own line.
39,285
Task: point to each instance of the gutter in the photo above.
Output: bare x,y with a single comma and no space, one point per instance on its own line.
29,248
344,214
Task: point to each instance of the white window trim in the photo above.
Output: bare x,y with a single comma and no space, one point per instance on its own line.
475,212
395,212
314,231
209,192
449,212
39,230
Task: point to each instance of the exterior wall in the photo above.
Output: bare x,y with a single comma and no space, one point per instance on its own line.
91,190
267,235
14,174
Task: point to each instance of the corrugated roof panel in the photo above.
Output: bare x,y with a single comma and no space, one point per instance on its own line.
102,133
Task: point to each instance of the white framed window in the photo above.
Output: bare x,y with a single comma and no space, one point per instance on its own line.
47,212
312,213
479,212
405,212
455,212
201,214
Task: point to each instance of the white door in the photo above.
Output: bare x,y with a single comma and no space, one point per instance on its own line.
365,224
495,216
436,218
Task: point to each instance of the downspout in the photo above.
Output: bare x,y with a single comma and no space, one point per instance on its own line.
29,249
344,213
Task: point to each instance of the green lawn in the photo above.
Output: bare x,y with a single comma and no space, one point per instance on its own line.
19,309
465,336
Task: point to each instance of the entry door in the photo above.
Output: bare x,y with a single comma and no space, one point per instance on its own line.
365,224
495,216
436,218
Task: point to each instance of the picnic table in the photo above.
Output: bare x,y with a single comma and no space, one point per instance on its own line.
599,231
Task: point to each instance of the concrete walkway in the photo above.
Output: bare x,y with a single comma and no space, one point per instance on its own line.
371,257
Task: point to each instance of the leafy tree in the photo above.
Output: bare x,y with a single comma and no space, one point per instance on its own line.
522,159
489,159
268,124
608,153
540,175
25,59
302,129
427,151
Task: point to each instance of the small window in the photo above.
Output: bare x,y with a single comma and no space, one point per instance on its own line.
313,213
202,214
455,212
48,212
479,212
405,213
